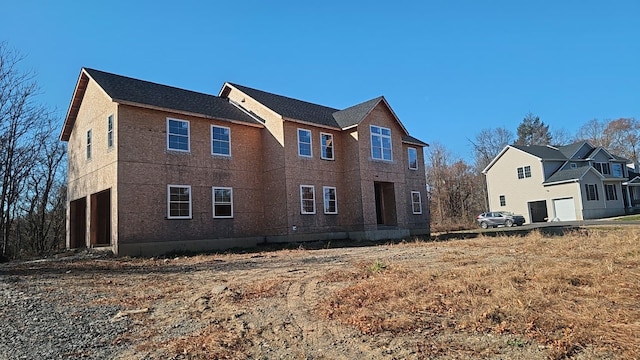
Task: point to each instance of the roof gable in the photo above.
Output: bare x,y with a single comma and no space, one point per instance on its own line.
291,108
126,90
571,150
542,152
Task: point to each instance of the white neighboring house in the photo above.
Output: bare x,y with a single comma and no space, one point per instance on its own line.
573,182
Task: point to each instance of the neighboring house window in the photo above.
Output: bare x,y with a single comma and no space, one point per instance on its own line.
330,201
616,170
178,135
603,168
592,191
381,143
220,140
412,154
307,199
304,142
326,144
88,144
503,200
179,201
524,172
611,192
416,202
110,131
222,202
573,165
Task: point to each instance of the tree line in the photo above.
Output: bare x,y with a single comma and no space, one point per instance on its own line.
32,165
457,188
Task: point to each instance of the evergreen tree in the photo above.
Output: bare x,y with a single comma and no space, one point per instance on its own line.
532,131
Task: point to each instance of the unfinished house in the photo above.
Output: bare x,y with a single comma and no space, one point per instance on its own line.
156,169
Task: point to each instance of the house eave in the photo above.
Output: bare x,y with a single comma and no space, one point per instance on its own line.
187,113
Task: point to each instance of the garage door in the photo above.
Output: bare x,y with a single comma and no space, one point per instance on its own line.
565,209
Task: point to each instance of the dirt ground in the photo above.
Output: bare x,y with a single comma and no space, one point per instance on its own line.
275,304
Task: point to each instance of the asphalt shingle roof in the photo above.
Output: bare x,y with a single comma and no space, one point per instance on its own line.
354,114
292,108
569,150
567,174
124,88
543,152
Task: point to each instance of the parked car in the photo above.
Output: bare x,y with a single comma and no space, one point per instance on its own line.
496,218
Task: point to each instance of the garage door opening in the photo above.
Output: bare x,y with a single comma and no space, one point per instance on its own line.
538,211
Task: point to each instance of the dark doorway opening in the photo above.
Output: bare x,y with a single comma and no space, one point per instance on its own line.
385,204
78,223
101,218
538,211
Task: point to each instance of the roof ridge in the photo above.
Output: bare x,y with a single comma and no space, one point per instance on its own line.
282,96
148,82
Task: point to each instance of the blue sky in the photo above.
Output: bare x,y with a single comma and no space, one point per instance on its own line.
447,68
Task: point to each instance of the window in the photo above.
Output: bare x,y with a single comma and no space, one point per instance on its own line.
307,199
524,172
381,143
222,202
412,154
179,201
178,135
616,170
220,140
416,202
603,168
88,144
110,131
326,144
611,192
304,142
503,200
573,165
592,191
330,201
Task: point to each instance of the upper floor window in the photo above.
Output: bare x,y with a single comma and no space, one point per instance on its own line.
503,200
110,131
603,168
381,143
307,199
591,191
220,140
416,202
179,202
524,172
326,144
178,135
304,142
616,170
88,144
222,202
412,154
330,200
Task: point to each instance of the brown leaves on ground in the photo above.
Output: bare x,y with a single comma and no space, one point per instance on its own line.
564,292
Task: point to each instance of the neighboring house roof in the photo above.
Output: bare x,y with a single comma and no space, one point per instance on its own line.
126,90
570,150
567,175
543,152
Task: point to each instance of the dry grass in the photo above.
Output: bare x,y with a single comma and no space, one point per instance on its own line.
568,293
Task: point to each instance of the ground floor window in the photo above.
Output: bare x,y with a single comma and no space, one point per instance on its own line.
416,202
222,202
330,200
592,191
179,201
503,200
611,192
307,199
